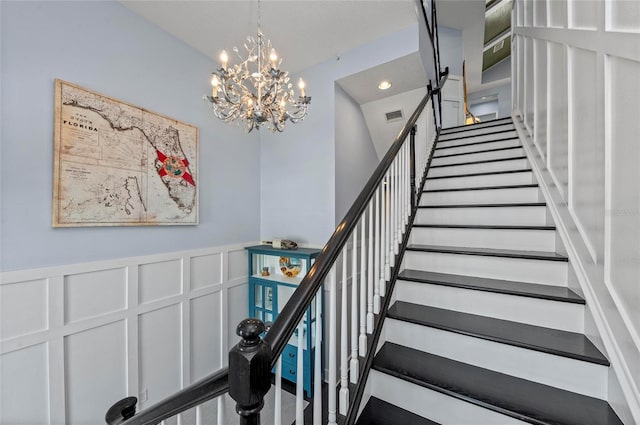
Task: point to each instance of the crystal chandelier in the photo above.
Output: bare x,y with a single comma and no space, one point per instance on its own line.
255,91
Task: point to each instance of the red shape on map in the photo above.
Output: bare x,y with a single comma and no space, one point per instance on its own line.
174,167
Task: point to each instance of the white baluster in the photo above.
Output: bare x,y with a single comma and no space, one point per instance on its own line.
378,237
363,291
317,360
344,341
300,375
199,415
222,414
392,224
376,304
387,228
370,292
277,409
372,286
406,188
333,349
354,366
409,181
396,203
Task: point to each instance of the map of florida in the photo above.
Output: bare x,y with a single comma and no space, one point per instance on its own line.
171,163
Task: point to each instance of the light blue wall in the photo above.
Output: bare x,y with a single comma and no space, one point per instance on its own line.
451,53
298,166
356,157
105,47
504,98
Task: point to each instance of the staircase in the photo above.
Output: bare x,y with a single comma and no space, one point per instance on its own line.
482,326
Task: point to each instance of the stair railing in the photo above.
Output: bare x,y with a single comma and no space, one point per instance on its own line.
358,266
355,268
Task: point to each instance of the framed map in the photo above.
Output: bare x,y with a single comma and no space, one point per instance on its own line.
117,164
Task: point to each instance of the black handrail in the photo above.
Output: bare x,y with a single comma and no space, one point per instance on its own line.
197,393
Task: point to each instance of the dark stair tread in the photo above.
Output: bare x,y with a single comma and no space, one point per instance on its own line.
379,412
490,252
468,136
504,139
482,161
462,189
524,289
483,226
519,398
515,204
482,151
546,340
477,126
488,173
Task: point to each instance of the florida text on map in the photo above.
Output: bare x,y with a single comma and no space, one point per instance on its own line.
117,164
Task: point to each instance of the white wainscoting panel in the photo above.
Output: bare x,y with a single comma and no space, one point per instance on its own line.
159,280
75,339
558,119
95,371
26,301
24,386
206,270
93,294
586,143
623,16
591,173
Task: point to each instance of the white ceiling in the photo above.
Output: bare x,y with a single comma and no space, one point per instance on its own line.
308,32
405,74
304,32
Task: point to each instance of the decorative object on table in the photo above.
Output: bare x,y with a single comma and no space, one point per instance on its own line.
255,91
117,164
281,244
268,296
265,271
289,268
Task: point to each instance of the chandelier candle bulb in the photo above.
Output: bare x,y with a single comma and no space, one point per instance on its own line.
215,83
273,57
224,59
301,86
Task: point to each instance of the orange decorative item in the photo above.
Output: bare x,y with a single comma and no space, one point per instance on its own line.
288,269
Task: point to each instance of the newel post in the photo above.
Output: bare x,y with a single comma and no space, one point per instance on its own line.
412,166
249,371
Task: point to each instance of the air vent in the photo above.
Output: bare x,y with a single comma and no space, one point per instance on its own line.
499,45
394,115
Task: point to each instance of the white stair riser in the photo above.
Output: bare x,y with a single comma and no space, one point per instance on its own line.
525,216
474,148
518,269
557,315
557,371
487,196
482,156
434,405
476,132
475,139
525,177
484,167
526,240
483,124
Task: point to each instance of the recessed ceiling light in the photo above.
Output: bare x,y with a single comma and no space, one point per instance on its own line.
384,85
